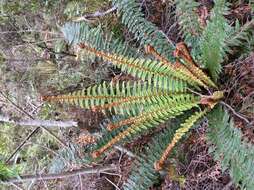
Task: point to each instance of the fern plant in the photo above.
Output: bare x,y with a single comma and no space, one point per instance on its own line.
168,87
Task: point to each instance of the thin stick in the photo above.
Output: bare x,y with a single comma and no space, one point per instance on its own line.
234,112
33,132
38,123
22,144
38,177
112,183
96,14
124,150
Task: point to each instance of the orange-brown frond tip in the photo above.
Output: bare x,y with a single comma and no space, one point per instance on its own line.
158,165
44,98
111,127
96,154
149,49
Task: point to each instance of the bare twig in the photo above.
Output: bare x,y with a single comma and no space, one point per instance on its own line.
234,112
112,183
22,143
124,150
28,31
80,182
38,123
33,132
83,171
95,14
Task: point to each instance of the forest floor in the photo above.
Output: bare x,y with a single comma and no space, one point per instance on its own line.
35,64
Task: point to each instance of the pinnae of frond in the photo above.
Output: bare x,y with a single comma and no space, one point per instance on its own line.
113,141
131,100
150,50
118,60
185,127
189,74
132,120
145,116
63,98
127,100
176,67
183,52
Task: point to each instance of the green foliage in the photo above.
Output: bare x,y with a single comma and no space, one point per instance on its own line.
240,38
75,33
230,149
6,172
212,45
186,11
162,90
144,31
143,175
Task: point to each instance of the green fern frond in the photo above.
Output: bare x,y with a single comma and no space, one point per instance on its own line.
144,31
143,174
230,149
183,54
81,32
212,45
147,69
119,98
186,11
149,119
239,35
179,133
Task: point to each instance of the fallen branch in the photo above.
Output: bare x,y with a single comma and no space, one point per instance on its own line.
38,123
36,130
38,177
95,14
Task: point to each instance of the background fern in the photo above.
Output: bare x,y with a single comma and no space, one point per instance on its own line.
143,174
144,31
212,45
230,149
190,27
77,32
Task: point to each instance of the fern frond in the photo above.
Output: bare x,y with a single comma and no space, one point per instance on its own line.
239,35
143,174
147,69
185,127
119,98
186,11
144,31
212,45
149,119
167,108
230,149
81,32
183,52
177,66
